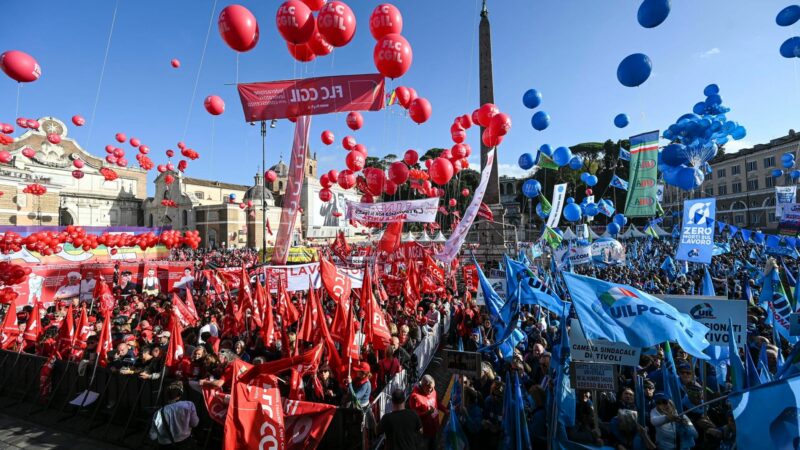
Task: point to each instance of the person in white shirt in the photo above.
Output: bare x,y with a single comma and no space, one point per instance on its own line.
209,327
172,424
71,289
433,315
186,282
87,287
35,283
150,283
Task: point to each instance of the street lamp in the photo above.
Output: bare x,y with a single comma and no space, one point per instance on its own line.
272,124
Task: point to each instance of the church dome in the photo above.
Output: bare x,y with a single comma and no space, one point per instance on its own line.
254,193
281,169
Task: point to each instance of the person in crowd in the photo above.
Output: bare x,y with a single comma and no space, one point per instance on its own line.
72,289
172,424
402,427
673,431
425,403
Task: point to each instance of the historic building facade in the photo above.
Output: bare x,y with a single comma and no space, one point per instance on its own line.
89,201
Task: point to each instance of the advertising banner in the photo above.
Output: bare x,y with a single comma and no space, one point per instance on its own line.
697,232
784,195
594,377
311,96
407,210
714,313
559,195
470,274
642,191
456,239
607,252
294,187
789,224
298,277
327,219
598,351
499,286
580,254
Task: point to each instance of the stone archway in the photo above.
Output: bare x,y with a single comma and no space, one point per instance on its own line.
65,218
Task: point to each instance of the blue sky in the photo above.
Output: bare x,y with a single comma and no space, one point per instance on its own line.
568,49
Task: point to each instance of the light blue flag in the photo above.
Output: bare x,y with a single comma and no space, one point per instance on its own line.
509,335
619,183
753,378
708,283
493,301
621,313
736,367
563,394
532,291
766,416
733,231
746,234
454,437
668,266
624,155
721,248
763,364
720,226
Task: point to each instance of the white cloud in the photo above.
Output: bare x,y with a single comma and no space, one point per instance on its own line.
734,146
709,53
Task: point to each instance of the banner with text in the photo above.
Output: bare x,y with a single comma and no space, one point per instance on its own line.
697,233
298,277
294,187
559,195
642,190
789,224
598,351
784,195
714,313
311,96
407,210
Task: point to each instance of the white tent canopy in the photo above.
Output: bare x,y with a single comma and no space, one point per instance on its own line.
632,233
407,237
569,235
660,231
423,238
592,234
440,238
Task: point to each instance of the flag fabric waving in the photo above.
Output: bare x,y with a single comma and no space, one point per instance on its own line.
255,419
766,416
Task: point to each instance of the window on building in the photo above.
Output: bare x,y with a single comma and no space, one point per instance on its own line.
721,173
769,162
185,218
280,185
722,189
771,217
710,191
739,219
736,170
752,185
736,187
200,195
710,175
752,165
769,182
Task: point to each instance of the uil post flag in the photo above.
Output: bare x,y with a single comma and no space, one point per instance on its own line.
697,232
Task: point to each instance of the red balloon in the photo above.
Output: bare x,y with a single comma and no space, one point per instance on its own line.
77,174
170,167
238,28
242,206
452,202
295,22
489,139
122,162
78,121
175,63
118,153
336,23
161,168
474,116
135,142
458,151
485,114
354,120
348,142
361,148
355,161
6,128
5,157
588,192
270,176
390,187
327,137
170,153
411,157
214,105
120,137
385,19
54,138
301,52
441,171
78,164
33,124
398,172
392,55
347,179
324,181
468,149
457,133
22,122
375,179
110,149
367,198
403,96
315,5
420,110
319,45
333,175
325,195
29,152
181,145
111,159
20,66
500,124
465,121
465,192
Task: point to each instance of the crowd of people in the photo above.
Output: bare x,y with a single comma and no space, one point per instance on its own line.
140,334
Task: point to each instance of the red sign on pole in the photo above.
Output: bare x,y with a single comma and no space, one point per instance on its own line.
311,96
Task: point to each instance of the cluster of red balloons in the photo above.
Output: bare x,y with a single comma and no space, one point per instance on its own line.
35,189
308,36
189,153
419,108
392,53
6,128
20,66
496,124
33,124
116,155
182,165
192,239
8,295
11,274
144,161
108,174
10,242
50,242
169,203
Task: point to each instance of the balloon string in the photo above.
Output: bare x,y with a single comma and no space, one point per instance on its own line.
199,70
475,26
213,132
237,67
102,74
16,111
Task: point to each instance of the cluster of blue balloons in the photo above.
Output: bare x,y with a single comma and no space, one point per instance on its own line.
616,224
532,99
653,12
786,17
589,179
696,138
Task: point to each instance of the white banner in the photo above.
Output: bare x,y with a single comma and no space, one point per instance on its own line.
296,277
600,351
499,286
559,194
784,195
407,210
580,254
714,313
456,240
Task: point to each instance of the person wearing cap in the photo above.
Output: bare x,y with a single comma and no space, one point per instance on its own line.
163,339
359,388
70,290
425,403
673,431
402,427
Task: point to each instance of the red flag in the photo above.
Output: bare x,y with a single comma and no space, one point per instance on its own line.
485,212
390,240
309,329
337,285
190,304
350,348
375,329
81,334
254,419
175,346
45,376
105,298
182,312
33,328
217,403
259,304
306,363
245,297
268,328
104,342
286,309
10,330
340,247
66,334
306,423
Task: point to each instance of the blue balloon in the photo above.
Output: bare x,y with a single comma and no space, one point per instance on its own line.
653,12
689,178
531,188
699,108
776,173
583,176
795,174
675,155
620,219
788,16
634,70
621,120
561,156
232,196
612,228
540,212
713,99
525,161
546,149
576,163
570,200
572,212
592,210
788,164
739,132
591,180
532,98
790,47
711,89
540,120
787,155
